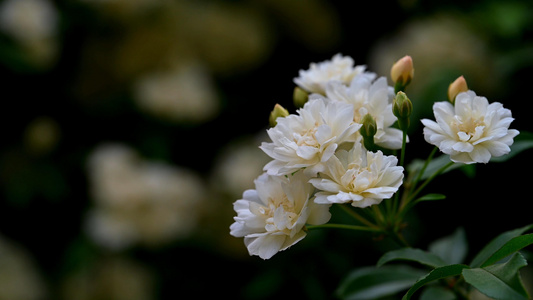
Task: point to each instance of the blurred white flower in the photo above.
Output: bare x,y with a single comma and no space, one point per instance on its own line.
140,201
358,177
113,278
340,68
33,24
28,20
309,139
237,162
438,44
184,93
370,97
19,278
471,132
271,217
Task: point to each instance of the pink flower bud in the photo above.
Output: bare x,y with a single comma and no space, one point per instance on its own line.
456,87
402,71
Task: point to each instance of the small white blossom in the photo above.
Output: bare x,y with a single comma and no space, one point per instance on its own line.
340,68
370,97
358,177
471,132
309,139
271,218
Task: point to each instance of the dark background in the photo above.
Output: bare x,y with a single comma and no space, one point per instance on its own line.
45,196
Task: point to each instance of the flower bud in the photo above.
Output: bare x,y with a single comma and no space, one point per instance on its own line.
278,111
456,87
402,72
368,130
402,108
299,97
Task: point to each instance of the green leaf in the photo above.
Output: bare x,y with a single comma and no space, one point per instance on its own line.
435,274
373,282
437,292
417,255
522,142
496,244
501,281
508,272
490,285
431,197
513,245
452,249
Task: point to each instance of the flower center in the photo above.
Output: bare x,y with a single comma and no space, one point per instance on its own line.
307,138
470,129
280,215
359,179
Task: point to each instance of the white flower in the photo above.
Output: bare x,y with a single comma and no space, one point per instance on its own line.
184,93
472,131
29,20
271,217
360,177
339,68
139,201
309,139
370,97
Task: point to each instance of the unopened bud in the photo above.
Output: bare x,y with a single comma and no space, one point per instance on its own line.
278,111
368,130
456,87
402,108
299,97
402,72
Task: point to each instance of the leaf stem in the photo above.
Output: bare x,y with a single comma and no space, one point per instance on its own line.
357,216
404,142
421,173
420,188
344,226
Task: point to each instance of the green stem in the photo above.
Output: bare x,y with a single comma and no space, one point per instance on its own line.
396,199
398,238
357,216
421,173
404,141
439,171
343,226
378,215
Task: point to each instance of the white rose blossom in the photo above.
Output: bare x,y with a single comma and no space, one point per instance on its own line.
362,178
471,132
370,97
272,216
340,68
309,139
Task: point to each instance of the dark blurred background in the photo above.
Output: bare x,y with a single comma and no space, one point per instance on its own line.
131,126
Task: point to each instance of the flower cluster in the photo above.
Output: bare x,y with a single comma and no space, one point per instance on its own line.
333,150
318,157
